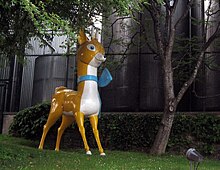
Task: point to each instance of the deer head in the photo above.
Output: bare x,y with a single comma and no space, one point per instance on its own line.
90,52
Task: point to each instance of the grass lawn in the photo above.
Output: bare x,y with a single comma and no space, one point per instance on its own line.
16,153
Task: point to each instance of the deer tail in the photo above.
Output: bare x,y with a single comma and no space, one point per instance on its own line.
59,88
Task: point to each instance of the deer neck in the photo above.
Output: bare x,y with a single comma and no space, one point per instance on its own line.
85,70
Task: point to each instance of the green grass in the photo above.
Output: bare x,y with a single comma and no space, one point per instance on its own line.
17,153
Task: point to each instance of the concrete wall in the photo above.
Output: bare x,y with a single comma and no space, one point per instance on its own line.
7,120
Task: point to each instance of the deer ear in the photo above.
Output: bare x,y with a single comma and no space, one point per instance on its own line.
93,33
82,37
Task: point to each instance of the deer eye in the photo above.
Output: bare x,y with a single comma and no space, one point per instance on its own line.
91,47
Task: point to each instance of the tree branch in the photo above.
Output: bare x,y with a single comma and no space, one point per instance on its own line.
147,40
186,85
112,31
155,14
189,5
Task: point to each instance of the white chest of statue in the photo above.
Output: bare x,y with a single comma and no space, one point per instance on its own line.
90,101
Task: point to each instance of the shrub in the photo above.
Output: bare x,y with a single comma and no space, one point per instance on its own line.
128,131
201,131
29,122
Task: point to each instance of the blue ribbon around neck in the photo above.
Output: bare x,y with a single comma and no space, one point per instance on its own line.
103,81
87,77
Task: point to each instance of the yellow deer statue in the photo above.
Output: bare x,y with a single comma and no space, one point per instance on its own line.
73,106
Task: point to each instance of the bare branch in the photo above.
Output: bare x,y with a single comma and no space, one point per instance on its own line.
112,31
215,35
208,16
186,85
203,97
180,61
150,46
167,23
128,47
155,14
189,5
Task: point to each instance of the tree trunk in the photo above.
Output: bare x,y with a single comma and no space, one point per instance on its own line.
165,43
170,104
162,137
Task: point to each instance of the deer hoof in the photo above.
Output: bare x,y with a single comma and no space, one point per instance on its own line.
88,153
102,154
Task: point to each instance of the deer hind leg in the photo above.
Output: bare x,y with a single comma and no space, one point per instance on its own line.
54,115
94,124
66,122
80,122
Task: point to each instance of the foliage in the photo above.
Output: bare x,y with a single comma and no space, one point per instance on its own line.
29,122
199,131
23,19
137,131
18,153
128,131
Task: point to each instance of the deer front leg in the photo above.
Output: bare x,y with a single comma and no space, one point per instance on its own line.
79,116
94,124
